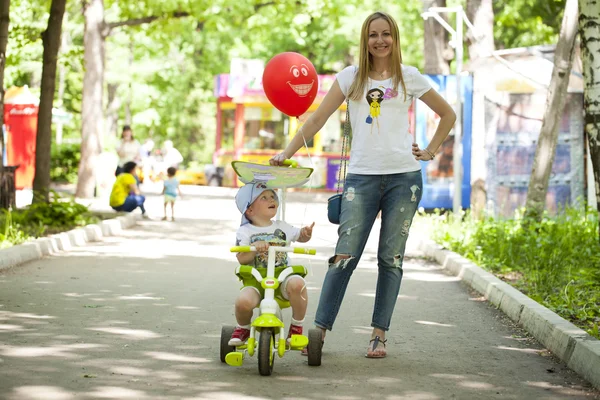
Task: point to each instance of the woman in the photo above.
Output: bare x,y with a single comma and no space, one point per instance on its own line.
125,194
129,149
383,175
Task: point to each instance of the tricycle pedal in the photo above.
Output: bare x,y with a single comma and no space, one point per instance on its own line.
298,342
235,359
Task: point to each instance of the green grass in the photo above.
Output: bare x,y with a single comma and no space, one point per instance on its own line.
556,262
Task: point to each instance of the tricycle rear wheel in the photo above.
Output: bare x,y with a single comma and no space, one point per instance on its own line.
226,332
315,346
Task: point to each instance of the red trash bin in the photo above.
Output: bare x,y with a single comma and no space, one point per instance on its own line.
20,119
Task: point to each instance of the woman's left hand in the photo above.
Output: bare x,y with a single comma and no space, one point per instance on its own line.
420,155
278,159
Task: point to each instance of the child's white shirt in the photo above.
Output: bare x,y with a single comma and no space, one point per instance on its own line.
279,233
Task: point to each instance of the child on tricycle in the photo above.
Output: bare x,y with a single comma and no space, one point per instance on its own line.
269,282
258,205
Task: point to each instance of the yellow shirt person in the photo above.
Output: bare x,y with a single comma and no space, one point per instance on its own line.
121,189
125,194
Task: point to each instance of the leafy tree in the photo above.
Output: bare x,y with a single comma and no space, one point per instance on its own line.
522,23
589,31
481,41
51,40
4,22
435,42
546,145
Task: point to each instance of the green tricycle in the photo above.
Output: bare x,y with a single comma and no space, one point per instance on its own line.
267,332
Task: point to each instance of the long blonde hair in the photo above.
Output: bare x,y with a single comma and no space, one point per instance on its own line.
365,61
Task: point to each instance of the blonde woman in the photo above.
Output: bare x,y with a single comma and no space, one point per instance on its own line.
384,173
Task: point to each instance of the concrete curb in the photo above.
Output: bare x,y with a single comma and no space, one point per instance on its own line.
64,241
577,349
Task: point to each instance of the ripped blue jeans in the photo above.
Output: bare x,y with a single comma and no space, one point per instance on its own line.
397,196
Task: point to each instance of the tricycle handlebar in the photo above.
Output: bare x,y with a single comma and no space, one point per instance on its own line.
295,250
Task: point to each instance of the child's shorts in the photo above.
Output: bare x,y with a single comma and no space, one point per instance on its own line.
170,199
248,280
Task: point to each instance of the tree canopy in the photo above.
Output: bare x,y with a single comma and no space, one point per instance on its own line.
163,70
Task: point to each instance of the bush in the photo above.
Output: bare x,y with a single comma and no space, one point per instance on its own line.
10,234
64,162
555,262
41,219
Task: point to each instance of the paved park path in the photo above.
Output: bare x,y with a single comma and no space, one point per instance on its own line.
139,317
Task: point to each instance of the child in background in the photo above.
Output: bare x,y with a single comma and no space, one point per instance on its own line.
170,190
258,205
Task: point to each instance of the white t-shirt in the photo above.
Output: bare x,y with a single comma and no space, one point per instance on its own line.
131,151
381,143
280,233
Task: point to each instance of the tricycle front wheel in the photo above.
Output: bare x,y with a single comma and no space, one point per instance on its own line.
266,357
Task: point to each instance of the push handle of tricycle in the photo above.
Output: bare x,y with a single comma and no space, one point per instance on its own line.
296,250
301,250
291,163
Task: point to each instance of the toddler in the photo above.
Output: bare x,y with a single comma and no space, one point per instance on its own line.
170,190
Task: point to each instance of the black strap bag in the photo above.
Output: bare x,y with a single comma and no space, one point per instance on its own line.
334,203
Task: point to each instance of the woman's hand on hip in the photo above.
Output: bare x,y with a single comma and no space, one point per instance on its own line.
421,154
278,159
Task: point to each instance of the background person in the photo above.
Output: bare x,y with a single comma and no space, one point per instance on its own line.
384,173
171,156
170,191
128,149
125,194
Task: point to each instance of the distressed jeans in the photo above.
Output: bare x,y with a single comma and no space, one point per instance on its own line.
397,196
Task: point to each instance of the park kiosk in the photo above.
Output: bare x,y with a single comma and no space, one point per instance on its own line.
20,129
509,99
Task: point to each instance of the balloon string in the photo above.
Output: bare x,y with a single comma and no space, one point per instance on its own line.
315,171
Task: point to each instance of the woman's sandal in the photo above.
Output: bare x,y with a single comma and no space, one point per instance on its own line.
304,351
372,351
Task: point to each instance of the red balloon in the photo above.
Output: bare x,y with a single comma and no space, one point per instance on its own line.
290,82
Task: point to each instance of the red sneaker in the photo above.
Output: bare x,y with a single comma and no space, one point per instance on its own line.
239,336
294,330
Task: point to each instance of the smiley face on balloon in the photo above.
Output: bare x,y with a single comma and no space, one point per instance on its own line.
299,82
290,82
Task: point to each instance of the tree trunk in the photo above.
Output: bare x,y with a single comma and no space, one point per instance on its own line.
481,15
435,41
91,110
555,102
51,41
589,30
4,21
112,110
92,118
129,100
481,44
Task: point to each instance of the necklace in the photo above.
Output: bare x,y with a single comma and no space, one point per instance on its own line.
380,73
